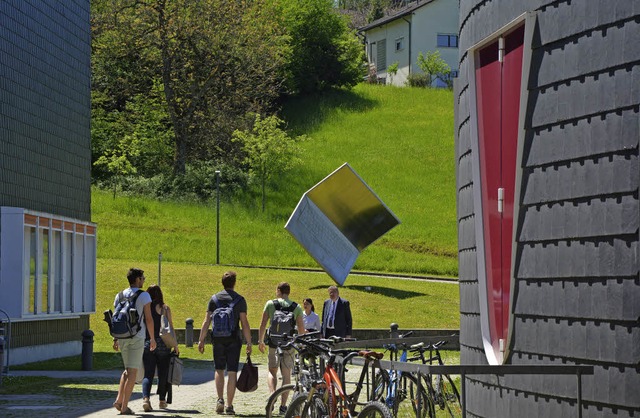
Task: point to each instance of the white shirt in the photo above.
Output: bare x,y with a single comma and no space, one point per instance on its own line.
311,321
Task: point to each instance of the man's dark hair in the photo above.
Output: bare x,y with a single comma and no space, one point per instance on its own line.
229,280
133,274
284,288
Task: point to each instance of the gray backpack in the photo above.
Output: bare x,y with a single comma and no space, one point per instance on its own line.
283,322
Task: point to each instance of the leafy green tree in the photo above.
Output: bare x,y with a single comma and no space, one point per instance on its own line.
325,52
392,70
433,66
118,160
268,149
214,60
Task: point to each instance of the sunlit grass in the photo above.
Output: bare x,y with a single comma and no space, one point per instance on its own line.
400,141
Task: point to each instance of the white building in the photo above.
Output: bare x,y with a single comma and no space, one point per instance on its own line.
421,26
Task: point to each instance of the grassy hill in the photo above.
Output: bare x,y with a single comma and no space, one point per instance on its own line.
399,140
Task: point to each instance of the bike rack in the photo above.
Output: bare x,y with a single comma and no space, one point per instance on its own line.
464,370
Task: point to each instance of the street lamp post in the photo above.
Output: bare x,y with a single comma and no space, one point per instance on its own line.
217,216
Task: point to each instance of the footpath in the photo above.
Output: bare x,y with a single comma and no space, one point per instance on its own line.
92,393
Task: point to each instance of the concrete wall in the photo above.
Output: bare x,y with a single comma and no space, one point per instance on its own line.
576,282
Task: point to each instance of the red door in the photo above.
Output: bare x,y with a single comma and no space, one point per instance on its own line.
498,85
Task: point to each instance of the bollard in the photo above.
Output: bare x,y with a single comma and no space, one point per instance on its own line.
188,333
1,358
394,331
87,349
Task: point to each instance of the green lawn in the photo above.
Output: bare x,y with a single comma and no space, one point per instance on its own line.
399,140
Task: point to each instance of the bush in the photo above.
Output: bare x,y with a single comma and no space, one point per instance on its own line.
198,184
418,80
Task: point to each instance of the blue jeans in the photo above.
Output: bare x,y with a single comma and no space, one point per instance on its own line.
158,358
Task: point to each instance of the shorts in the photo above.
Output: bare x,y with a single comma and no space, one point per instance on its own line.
132,350
285,361
226,354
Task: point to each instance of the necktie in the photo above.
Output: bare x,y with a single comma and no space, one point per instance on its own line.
332,315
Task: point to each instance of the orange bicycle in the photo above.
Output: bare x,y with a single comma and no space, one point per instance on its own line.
327,396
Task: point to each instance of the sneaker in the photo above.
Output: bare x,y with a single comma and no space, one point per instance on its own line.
146,405
283,409
229,410
220,406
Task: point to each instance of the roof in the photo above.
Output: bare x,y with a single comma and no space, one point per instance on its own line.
407,10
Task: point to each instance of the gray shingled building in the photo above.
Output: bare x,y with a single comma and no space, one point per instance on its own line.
47,240
547,133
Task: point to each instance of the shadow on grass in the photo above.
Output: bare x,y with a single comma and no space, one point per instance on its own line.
310,112
380,290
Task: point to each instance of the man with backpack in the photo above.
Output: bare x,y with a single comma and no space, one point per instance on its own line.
226,310
285,317
133,313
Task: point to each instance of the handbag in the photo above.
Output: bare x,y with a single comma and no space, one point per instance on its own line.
248,379
175,369
167,333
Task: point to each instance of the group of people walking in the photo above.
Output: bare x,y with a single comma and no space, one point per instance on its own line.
226,314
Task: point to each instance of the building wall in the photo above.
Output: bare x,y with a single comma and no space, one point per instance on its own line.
439,16
45,145
45,141
576,283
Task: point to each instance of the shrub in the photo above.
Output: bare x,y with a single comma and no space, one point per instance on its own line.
418,80
197,184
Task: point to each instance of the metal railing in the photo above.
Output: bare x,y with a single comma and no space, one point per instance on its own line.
467,369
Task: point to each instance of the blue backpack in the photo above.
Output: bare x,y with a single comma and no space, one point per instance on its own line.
223,319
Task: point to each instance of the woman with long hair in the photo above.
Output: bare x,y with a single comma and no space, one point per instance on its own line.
160,357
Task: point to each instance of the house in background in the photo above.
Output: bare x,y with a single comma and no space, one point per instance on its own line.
47,240
421,26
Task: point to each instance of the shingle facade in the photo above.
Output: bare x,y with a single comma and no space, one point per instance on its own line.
575,276
45,169
45,82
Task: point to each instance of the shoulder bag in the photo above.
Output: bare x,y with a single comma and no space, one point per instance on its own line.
175,369
167,333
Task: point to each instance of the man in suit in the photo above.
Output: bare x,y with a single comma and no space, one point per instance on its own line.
336,315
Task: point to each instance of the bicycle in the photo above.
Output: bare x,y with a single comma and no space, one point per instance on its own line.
402,393
443,393
305,371
327,396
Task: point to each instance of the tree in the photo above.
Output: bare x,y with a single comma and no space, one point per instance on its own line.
268,149
325,52
118,160
433,66
392,70
214,60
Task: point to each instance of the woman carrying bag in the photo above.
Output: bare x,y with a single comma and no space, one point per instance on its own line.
161,356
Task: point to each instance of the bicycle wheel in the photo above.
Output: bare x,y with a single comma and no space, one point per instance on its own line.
273,403
449,394
375,409
409,397
379,390
301,407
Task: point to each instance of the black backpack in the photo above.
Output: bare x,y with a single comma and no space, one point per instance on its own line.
283,322
223,320
125,322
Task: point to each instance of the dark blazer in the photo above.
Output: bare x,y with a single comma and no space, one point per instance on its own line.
342,321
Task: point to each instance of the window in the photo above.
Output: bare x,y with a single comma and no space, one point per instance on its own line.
399,44
381,59
56,259
447,40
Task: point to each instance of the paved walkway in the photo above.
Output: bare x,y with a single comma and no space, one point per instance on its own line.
91,394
